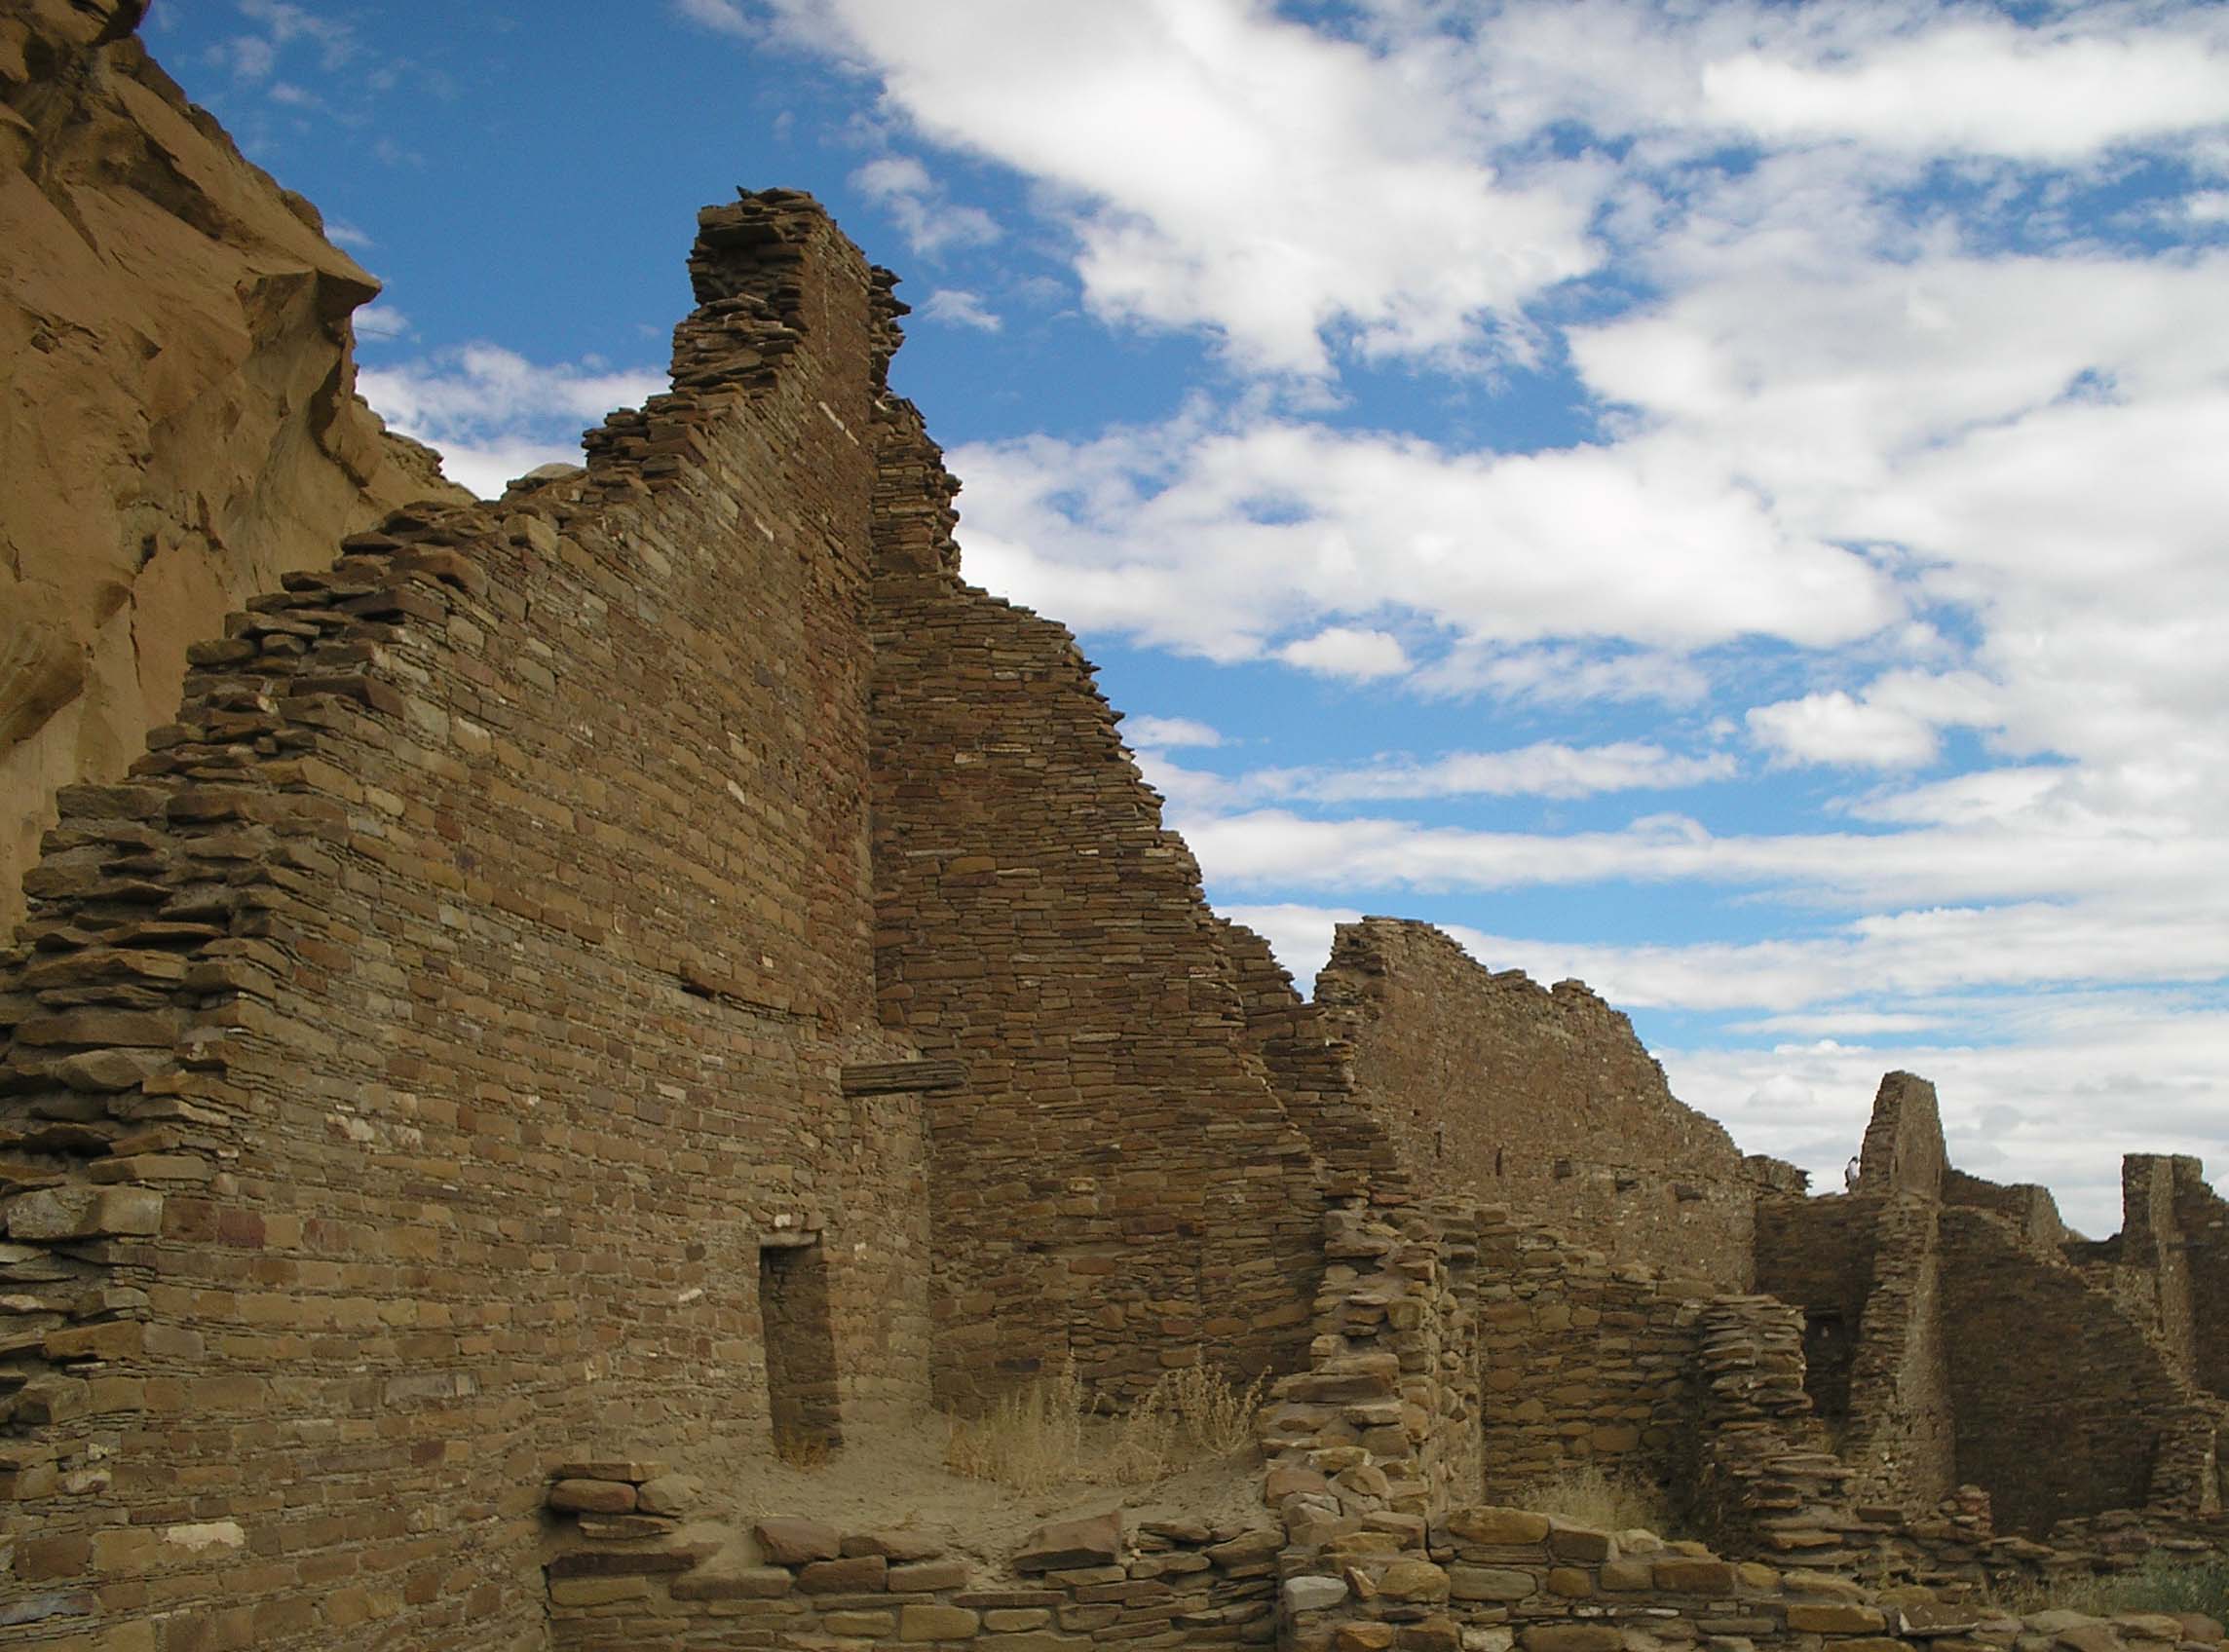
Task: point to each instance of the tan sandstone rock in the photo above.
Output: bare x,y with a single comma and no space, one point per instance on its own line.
179,419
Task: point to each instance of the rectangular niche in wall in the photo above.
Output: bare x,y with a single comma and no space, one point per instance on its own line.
800,1346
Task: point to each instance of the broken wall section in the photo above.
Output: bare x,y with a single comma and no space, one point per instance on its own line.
1540,1101
2065,1406
1864,1272
407,1067
1119,1186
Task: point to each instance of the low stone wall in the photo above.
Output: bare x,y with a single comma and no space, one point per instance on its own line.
633,1571
1494,1579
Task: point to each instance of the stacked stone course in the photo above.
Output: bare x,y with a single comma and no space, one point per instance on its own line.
1120,1187
659,1583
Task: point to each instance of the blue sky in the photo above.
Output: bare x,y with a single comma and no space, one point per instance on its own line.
1725,502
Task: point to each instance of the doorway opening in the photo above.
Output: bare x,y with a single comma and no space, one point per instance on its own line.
800,1347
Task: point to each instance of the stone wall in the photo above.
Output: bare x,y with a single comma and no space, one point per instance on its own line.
1903,1151
1582,1361
1539,1100
1864,1271
630,1573
2065,1406
407,1068
1312,1065
1121,1185
178,423
1497,1579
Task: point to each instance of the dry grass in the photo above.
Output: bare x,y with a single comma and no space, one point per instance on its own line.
1052,1433
1585,1494
2159,1584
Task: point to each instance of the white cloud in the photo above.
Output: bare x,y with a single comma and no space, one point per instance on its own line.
1219,165
724,16
1834,728
1342,650
1213,538
380,321
1165,732
494,414
249,56
285,22
928,218
1993,89
1546,768
960,309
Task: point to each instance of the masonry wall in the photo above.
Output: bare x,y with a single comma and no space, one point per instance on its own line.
406,1066
2202,1220
1866,1272
1121,1185
1539,1100
2064,1407
1303,1048
1581,1361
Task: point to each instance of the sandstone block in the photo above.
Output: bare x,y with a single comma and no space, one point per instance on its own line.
924,1577
1570,1582
1246,1547
897,1547
859,1626
1832,1617
1433,1634
593,1496
1489,1583
1313,1594
936,1623
1412,1581
1362,1636
795,1542
1571,1638
1624,1577
671,1494
629,1469
598,1590
80,1211
1062,1544
715,1581
1496,1526
860,1575
1570,1542
1686,1576
1283,1483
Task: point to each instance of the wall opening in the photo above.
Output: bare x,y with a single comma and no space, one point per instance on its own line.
800,1347
1830,1349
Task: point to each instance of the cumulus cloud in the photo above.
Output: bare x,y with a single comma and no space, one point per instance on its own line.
1168,733
1989,88
1219,165
960,309
496,414
930,219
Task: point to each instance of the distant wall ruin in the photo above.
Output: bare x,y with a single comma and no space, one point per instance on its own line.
1542,1100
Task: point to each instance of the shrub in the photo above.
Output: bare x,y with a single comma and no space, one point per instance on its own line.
1052,1433
1584,1493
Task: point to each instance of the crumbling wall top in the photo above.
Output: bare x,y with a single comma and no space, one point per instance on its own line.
1903,1150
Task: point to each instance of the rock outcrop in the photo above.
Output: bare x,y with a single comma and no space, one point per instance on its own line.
178,422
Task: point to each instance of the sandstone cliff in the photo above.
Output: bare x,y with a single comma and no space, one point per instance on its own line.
178,423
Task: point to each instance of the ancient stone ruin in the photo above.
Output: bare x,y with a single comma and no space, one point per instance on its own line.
601,990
